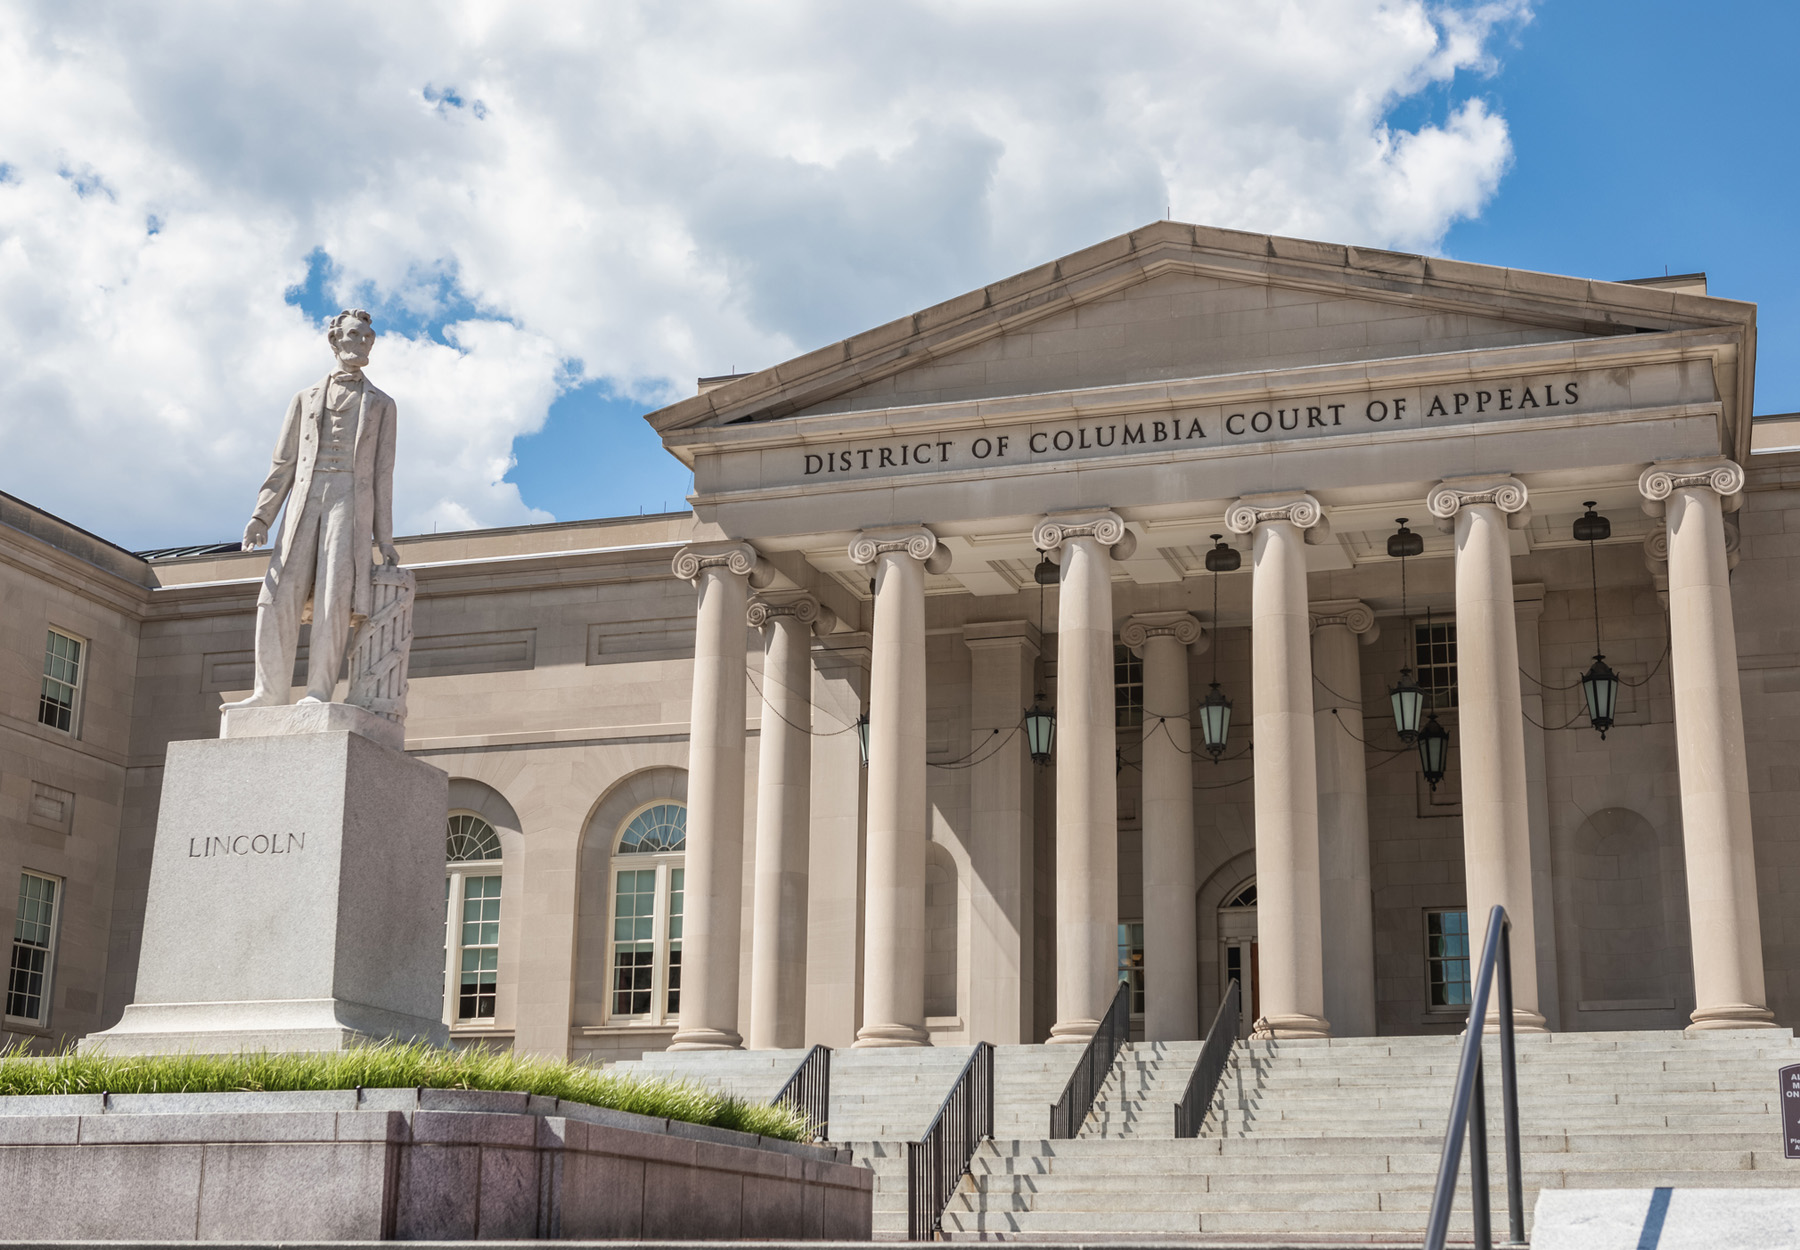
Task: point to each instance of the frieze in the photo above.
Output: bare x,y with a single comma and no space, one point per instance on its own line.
1267,420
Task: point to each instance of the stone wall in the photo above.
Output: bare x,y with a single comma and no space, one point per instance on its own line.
434,1165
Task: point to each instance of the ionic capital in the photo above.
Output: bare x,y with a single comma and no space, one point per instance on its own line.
801,607
1656,547
1301,511
1508,494
739,558
1181,626
915,541
1725,478
1106,528
1353,614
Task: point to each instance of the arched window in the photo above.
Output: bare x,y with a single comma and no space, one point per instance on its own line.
648,883
471,920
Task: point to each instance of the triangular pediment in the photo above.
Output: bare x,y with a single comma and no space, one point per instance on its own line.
1181,301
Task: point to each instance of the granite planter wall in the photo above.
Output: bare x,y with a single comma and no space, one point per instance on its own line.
404,1165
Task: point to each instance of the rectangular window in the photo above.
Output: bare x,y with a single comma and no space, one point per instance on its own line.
480,964
1128,688
1447,958
1434,656
634,941
33,950
1131,963
677,883
62,681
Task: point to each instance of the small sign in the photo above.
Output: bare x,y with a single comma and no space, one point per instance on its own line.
1789,1084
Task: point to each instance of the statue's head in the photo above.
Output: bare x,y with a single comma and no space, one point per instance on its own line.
351,335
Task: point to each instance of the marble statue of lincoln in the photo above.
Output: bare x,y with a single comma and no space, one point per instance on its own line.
334,467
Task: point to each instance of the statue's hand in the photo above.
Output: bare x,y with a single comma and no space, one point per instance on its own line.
256,534
390,556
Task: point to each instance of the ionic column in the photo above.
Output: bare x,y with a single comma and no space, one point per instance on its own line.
1346,912
1087,788
1171,943
783,813
713,907
1287,796
1709,739
1496,799
894,893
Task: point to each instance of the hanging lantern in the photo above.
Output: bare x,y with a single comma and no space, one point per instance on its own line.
1222,557
1403,542
1040,732
1215,722
1047,572
1405,695
1409,706
862,737
1434,750
1599,685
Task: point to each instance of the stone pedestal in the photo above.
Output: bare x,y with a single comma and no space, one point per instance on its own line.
296,896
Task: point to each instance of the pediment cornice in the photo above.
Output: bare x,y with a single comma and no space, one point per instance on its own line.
1578,305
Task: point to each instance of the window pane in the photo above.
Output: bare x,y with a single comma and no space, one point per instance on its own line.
655,830
27,982
468,836
1131,963
1128,688
62,677
479,963
1447,957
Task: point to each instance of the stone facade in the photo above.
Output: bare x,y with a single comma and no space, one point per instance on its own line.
1188,383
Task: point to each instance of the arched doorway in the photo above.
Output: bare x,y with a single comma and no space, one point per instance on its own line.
1237,953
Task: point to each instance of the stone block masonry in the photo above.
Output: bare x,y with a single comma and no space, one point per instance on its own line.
296,898
409,1165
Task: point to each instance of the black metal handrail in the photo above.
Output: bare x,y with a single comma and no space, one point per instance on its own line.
936,1164
1069,1112
808,1091
1215,1053
1468,1104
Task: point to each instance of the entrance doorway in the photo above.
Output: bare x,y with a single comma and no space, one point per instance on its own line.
1237,938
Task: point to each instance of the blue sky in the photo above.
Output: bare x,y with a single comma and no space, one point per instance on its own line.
560,224
1646,136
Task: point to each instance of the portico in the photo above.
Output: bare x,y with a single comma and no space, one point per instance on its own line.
1111,412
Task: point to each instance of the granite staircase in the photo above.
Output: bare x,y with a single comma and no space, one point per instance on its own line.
883,1098
1334,1140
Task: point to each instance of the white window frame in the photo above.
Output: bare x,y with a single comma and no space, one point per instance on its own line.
42,1019
665,864
457,873
77,688
1469,960
1129,971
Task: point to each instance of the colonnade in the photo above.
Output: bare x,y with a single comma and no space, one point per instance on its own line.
1315,919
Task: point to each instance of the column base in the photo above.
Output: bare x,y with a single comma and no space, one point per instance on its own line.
706,1039
1523,1022
1730,1016
871,1036
1294,1026
1072,1032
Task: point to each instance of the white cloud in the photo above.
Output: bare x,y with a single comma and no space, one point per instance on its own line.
635,192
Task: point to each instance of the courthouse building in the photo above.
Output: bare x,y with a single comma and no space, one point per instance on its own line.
779,769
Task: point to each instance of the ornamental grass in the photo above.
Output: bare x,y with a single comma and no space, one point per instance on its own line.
391,1065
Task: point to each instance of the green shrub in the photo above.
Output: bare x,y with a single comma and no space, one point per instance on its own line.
391,1065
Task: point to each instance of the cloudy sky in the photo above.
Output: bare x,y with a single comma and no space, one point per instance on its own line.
561,214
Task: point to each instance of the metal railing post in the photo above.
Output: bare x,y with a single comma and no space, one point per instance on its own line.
1068,1112
1509,1096
1478,1161
936,1163
1209,1068
1468,1100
